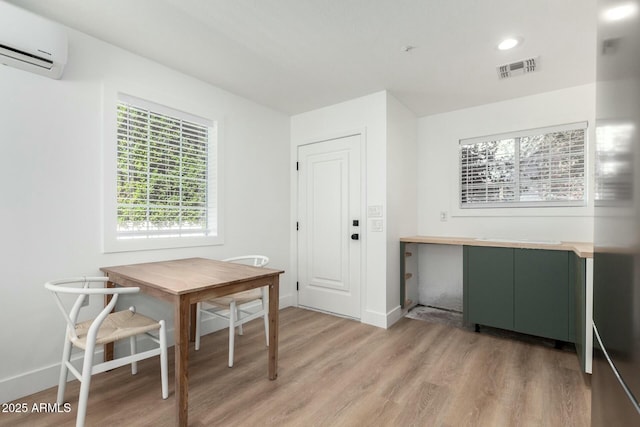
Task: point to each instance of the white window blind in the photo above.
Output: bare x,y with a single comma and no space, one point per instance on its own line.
539,167
165,172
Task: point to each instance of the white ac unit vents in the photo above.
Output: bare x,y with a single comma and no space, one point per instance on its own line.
31,43
519,67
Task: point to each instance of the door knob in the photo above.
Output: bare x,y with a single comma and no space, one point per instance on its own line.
355,236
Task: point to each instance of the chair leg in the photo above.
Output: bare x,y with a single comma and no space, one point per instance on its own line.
64,370
85,384
134,364
164,375
198,320
232,331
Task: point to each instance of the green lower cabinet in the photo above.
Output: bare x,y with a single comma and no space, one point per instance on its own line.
488,285
524,290
541,293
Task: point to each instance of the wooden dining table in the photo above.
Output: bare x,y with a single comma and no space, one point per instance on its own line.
185,282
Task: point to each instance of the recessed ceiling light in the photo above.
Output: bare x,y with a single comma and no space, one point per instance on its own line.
509,43
620,12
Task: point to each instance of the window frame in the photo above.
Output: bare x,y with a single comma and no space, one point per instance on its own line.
516,135
158,102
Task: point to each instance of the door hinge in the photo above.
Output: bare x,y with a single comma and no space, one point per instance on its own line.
297,286
297,226
297,166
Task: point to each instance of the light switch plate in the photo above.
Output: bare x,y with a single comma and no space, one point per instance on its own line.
374,211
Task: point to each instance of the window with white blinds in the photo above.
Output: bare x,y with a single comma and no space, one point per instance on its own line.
166,172
538,167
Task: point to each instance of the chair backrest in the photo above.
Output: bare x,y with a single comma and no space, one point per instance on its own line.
255,260
71,315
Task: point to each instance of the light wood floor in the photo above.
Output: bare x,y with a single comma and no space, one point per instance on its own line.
338,372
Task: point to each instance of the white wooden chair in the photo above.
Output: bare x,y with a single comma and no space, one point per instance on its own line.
231,307
106,328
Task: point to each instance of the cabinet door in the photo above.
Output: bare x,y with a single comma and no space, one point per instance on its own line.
542,293
489,286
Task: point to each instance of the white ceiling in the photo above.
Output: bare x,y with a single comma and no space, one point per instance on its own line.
298,55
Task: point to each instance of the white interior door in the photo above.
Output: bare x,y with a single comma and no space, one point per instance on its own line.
329,226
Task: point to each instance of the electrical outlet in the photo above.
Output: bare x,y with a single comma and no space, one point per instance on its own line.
443,216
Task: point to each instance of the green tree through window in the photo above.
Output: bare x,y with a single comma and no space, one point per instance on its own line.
162,175
541,167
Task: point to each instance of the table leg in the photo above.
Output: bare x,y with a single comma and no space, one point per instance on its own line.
181,333
274,300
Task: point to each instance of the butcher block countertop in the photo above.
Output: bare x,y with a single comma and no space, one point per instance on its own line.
582,249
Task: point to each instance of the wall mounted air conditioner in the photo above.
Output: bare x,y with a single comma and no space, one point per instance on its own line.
31,43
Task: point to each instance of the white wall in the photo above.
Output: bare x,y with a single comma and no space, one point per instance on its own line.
367,114
402,203
50,169
438,137
439,282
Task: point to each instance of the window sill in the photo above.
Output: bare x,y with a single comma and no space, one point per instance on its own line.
551,211
145,244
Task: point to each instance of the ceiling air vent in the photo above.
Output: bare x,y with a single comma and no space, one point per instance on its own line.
519,67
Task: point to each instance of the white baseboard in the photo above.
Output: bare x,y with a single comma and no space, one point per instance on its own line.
27,383
394,315
382,320
287,301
